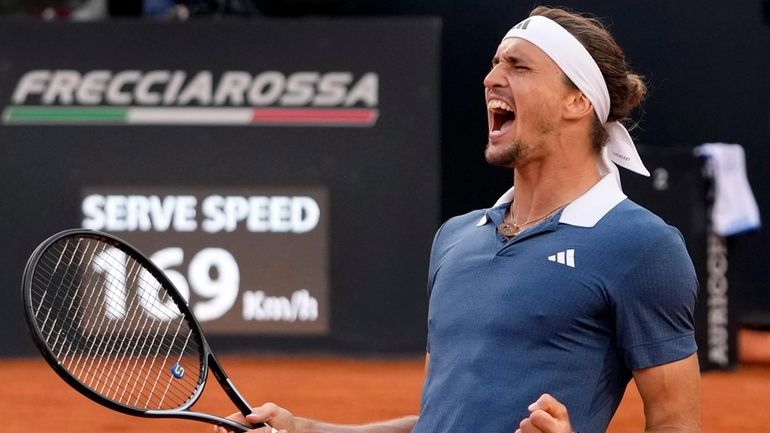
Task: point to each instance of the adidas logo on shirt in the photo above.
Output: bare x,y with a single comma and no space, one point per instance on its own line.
566,257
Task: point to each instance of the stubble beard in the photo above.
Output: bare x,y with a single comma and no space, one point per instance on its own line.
504,155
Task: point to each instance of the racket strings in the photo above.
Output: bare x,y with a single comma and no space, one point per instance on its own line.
109,373
92,367
110,324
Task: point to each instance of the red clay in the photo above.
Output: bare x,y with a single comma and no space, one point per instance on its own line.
334,389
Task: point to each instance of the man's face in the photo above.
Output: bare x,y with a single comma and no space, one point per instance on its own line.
524,91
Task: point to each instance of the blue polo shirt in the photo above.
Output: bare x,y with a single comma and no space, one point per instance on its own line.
569,307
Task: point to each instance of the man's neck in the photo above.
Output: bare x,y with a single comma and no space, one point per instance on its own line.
543,186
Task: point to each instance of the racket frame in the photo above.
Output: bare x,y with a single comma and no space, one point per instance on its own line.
207,362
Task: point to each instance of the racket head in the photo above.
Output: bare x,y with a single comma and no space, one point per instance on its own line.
112,325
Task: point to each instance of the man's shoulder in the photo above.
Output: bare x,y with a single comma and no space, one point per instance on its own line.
459,225
633,223
471,218
643,251
630,209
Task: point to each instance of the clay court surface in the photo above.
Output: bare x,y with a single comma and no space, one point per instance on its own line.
33,398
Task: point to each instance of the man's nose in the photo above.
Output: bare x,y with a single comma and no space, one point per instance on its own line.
494,78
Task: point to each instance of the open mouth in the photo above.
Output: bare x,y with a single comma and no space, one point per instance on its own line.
502,115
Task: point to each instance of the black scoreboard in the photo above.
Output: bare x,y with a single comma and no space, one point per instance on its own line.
283,173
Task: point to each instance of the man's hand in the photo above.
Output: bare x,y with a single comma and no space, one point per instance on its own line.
546,415
277,418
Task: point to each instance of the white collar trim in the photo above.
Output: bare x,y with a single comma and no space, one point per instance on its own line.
586,210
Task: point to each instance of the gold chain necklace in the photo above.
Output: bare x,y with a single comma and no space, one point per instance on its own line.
513,229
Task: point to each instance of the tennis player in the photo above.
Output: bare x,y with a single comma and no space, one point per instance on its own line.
544,306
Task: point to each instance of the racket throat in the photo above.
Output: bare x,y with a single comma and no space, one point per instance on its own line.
227,385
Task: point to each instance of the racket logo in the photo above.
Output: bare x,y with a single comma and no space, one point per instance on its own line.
177,371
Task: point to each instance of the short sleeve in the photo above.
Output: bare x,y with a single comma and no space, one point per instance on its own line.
432,267
654,304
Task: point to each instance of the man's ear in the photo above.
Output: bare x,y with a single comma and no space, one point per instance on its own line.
577,106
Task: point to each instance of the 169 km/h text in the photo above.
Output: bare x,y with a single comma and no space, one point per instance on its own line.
213,277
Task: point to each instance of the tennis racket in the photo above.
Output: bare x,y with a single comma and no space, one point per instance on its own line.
112,325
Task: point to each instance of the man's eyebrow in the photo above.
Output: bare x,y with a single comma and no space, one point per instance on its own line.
508,59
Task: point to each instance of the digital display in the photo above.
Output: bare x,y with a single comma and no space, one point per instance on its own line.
248,261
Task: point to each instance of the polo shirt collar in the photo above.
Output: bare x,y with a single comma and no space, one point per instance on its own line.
584,211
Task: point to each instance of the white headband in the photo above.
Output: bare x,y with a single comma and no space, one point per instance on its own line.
578,65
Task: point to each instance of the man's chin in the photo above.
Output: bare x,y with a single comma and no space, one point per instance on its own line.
499,157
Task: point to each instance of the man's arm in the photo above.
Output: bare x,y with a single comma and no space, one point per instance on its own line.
283,421
670,392
671,396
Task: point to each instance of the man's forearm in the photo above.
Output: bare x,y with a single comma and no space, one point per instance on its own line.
399,425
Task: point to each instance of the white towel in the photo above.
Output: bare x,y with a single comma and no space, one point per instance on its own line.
735,209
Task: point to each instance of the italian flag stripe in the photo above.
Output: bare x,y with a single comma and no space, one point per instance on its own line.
26,114
191,116
340,116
